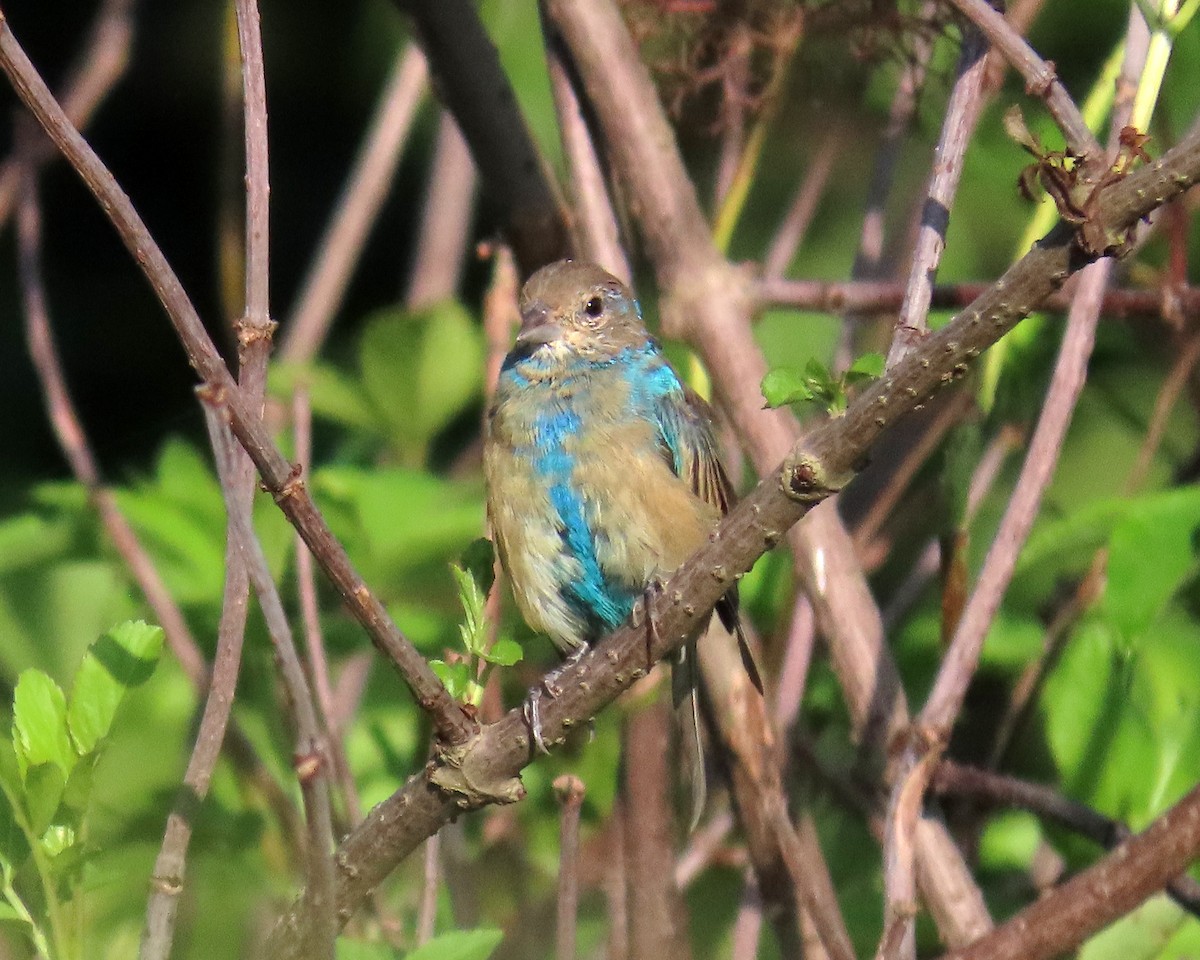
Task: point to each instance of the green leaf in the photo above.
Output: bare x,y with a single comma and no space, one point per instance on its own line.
784,385
40,723
479,560
1151,553
504,653
362,950
421,370
331,394
123,658
459,945
867,367
457,677
44,784
27,540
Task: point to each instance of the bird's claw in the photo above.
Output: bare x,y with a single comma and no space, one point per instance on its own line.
653,589
533,719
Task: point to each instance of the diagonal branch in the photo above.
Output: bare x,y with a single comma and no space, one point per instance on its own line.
278,475
484,771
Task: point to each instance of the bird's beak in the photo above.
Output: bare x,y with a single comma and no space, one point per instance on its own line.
537,327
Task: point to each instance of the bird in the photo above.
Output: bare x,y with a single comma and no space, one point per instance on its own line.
601,468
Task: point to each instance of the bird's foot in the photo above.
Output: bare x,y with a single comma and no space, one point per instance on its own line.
550,685
653,589
533,719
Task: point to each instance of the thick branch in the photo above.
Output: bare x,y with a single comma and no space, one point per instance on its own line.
472,84
485,769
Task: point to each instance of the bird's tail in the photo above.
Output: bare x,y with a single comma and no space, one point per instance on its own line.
685,680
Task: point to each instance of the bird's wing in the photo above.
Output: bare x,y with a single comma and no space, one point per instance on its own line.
685,424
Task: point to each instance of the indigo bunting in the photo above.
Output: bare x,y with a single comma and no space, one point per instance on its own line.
601,466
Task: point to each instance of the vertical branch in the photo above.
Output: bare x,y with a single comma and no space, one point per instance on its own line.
445,218
570,793
355,211
597,235
962,113
933,724
803,207
311,767
657,926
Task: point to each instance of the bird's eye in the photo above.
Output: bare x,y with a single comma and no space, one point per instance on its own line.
594,307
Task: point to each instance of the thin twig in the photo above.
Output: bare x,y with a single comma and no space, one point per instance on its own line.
962,114
311,764
870,296
289,490
473,85
570,792
657,925
314,636
932,726
101,66
1040,78
803,207
597,234
445,218
1069,914
992,790
747,925
356,210
430,878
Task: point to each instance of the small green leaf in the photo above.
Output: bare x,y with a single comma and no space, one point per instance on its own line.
783,386
456,676
479,560
331,394
58,839
44,783
868,366
363,950
40,723
1151,554
504,653
123,658
459,945
421,369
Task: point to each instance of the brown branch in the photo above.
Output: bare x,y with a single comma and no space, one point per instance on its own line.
320,922
706,300
962,114
792,874
356,210
472,84
886,296
314,638
101,65
570,792
658,920
445,218
803,207
994,790
484,771
288,489
597,234
1066,916
1040,78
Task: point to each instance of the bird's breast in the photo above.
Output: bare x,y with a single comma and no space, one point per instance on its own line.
584,506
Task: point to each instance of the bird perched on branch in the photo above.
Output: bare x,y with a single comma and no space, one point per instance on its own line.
601,466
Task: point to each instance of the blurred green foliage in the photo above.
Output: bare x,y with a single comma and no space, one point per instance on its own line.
397,403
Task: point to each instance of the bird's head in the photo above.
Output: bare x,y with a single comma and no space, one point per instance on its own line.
578,307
